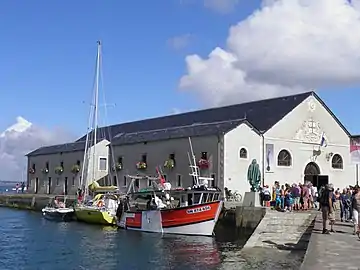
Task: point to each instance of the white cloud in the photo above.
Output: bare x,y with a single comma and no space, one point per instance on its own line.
180,42
18,140
287,46
221,6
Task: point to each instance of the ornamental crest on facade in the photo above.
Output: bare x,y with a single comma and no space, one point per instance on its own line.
310,132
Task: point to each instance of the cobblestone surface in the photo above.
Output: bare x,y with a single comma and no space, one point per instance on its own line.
339,250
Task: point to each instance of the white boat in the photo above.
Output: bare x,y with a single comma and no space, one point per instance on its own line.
58,211
18,190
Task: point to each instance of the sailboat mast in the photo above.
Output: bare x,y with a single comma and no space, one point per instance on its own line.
96,101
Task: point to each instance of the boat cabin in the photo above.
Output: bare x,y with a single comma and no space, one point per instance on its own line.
164,198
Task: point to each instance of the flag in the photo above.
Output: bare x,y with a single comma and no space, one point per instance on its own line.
323,142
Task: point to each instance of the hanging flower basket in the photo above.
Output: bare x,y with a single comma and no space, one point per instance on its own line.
31,171
45,170
203,164
59,170
75,169
169,164
141,165
117,167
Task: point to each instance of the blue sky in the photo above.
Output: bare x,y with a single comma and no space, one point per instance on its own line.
48,56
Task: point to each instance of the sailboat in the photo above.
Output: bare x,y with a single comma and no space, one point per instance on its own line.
101,209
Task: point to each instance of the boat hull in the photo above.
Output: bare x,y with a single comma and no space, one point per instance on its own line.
191,220
94,216
61,215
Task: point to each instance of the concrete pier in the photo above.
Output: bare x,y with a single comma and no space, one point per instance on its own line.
339,250
34,202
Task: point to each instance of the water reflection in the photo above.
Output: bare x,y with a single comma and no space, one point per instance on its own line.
197,252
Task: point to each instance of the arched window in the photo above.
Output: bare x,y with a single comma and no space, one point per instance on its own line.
243,153
337,162
284,159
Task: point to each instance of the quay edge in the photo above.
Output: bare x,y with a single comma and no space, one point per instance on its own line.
33,202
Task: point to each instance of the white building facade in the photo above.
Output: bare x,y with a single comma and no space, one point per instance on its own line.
307,144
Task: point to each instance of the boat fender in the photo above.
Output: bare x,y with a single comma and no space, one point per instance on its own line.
100,204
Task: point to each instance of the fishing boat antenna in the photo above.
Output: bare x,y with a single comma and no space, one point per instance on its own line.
194,168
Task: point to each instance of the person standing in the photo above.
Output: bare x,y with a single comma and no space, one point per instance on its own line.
22,187
326,205
305,196
355,203
314,195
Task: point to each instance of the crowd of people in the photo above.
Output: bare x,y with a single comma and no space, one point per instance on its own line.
303,197
295,197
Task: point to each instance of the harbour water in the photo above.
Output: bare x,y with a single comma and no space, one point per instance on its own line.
29,242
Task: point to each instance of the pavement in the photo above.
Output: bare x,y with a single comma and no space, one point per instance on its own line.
339,250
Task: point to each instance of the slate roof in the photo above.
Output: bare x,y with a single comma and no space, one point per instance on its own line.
193,130
59,148
261,115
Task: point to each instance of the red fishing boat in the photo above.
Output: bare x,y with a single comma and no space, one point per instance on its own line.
191,211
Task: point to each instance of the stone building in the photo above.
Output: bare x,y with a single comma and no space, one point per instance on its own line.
292,138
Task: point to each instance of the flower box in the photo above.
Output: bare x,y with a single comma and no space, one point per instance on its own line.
141,165
59,170
117,167
75,169
31,171
45,170
170,163
203,164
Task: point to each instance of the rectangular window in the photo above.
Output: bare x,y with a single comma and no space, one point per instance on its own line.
137,183
57,181
150,183
197,197
73,181
115,181
102,164
144,158
34,166
62,164
179,180
125,181
204,155
47,165
212,182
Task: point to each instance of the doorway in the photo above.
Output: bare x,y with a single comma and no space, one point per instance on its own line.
49,185
65,186
36,189
312,174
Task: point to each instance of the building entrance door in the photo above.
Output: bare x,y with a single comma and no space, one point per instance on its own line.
312,174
